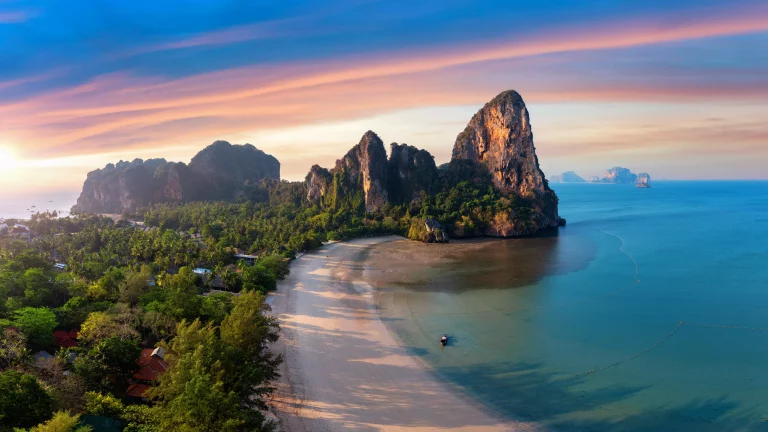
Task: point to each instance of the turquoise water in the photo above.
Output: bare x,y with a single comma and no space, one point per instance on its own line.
587,334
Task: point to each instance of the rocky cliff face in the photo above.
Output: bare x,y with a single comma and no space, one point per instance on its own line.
119,187
644,178
619,175
495,149
225,167
499,137
217,172
411,172
318,181
364,168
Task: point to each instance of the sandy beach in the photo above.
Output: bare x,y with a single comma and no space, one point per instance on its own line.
344,370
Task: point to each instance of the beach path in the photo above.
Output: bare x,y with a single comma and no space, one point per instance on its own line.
343,369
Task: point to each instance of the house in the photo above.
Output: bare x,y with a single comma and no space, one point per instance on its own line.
249,259
65,339
151,365
41,358
20,231
60,267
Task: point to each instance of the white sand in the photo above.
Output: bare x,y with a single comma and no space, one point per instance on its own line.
344,370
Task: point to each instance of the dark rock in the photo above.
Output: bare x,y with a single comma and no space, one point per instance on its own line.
435,233
412,172
226,167
218,172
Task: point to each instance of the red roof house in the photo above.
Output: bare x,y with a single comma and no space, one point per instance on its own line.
65,339
151,365
136,390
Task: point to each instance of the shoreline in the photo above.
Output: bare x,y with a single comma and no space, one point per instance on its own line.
344,369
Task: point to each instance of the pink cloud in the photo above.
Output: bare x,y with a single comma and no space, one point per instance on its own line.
14,17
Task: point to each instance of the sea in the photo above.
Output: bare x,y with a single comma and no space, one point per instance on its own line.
18,205
647,312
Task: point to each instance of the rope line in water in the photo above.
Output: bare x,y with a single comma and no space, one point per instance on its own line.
730,327
632,357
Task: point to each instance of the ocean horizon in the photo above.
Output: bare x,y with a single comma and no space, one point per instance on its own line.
23,205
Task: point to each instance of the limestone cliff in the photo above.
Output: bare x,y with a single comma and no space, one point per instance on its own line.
217,172
411,172
226,167
619,175
499,137
362,169
318,180
119,187
644,178
495,151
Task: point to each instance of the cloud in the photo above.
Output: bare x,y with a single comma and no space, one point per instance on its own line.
15,17
249,32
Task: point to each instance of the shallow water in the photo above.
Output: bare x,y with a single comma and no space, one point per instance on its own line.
583,331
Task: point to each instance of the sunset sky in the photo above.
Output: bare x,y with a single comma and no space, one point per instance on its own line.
678,89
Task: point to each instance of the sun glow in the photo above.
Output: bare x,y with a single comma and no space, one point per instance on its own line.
7,161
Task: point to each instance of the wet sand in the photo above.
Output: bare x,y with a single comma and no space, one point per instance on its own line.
344,370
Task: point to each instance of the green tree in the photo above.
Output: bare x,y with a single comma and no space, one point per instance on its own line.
191,395
62,421
38,289
23,401
112,359
101,325
13,348
215,307
247,333
37,324
103,405
135,285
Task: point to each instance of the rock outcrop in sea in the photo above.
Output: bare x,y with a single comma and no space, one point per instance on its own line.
497,143
620,175
567,177
500,138
218,172
644,178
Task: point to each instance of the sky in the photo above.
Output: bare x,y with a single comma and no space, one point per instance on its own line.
677,89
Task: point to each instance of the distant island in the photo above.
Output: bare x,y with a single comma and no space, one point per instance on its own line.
567,177
615,175
492,186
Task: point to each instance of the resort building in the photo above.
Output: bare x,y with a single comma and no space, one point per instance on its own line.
249,259
151,365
